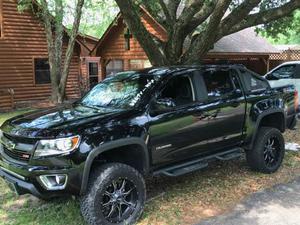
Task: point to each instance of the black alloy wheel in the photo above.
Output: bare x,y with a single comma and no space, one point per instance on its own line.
119,200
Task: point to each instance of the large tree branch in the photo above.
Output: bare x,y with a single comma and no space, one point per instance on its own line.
239,13
262,17
173,7
190,10
201,16
131,15
178,33
166,12
203,42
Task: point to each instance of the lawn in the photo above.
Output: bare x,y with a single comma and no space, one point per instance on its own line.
184,200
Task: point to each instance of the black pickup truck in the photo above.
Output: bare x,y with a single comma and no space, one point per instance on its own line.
158,121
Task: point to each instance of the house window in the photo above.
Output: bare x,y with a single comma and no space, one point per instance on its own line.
93,74
114,66
1,19
136,64
42,71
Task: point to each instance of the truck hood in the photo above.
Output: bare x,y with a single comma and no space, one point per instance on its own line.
62,121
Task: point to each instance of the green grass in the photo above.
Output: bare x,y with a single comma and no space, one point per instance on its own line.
183,200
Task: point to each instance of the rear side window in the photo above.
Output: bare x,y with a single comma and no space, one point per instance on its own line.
253,82
218,83
285,72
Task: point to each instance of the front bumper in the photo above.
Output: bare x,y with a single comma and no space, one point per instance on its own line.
25,178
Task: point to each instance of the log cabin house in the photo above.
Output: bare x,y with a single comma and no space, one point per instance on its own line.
24,68
119,50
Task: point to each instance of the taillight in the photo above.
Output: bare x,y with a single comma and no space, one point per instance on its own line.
296,100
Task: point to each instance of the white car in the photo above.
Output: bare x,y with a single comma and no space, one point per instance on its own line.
285,74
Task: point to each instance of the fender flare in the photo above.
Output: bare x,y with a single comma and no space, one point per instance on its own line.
260,118
109,146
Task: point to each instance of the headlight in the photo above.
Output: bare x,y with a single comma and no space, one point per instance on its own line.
56,147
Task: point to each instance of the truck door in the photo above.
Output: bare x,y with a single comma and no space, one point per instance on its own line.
175,131
225,109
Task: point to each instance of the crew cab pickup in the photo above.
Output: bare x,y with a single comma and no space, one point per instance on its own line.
159,121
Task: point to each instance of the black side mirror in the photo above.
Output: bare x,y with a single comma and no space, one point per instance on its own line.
271,76
163,105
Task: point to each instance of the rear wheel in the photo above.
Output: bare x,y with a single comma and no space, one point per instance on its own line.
116,195
268,151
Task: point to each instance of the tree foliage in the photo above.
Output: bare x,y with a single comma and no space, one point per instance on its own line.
283,31
193,26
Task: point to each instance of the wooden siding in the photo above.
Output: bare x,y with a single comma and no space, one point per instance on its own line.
113,46
24,39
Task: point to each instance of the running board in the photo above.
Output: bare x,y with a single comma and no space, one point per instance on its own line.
197,164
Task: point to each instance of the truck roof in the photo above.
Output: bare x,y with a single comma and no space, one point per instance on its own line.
185,68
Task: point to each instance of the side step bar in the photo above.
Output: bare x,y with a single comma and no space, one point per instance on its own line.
197,164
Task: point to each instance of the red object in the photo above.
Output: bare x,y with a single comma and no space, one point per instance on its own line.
296,100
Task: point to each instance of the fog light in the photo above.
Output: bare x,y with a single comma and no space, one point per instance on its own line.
54,182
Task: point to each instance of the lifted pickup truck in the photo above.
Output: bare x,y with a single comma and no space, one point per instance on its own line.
159,121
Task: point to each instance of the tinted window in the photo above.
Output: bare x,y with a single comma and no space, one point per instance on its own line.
253,82
42,71
218,83
285,72
179,89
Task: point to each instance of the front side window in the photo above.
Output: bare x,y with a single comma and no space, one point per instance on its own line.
180,90
253,82
218,83
285,72
123,90
42,71
114,66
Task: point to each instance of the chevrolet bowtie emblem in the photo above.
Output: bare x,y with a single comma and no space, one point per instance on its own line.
11,145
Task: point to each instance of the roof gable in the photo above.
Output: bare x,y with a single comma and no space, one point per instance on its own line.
246,41
150,23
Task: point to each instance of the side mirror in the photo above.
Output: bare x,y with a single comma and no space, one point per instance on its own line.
163,105
271,76
237,93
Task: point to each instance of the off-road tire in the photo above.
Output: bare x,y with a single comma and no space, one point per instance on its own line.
256,157
100,179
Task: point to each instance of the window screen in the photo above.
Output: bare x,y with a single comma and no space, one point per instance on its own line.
42,71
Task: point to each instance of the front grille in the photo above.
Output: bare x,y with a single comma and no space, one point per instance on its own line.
17,154
15,149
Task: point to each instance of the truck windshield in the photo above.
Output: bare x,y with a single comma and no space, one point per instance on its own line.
124,90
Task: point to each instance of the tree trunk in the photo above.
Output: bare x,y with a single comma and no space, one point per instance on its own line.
54,34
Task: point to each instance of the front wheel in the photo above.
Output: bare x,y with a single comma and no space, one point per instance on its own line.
268,151
116,195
